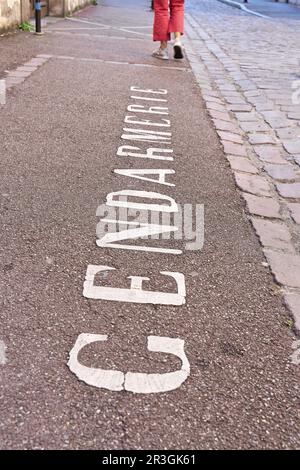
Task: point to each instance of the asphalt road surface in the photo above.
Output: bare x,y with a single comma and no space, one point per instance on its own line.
60,133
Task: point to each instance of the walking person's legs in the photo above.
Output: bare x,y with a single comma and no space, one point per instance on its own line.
161,22
168,18
176,25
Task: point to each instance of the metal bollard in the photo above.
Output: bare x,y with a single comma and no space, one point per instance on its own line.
38,17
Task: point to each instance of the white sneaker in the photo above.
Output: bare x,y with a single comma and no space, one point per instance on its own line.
161,54
178,49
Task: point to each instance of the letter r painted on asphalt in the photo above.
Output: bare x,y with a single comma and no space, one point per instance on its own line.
135,293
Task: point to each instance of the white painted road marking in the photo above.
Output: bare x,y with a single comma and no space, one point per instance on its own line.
135,294
161,91
120,202
3,348
56,32
139,108
104,26
115,380
142,135
158,383
126,151
140,174
112,379
140,230
145,98
114,62
2,92
147,122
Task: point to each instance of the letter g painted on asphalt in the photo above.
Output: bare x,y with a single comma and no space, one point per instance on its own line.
116,380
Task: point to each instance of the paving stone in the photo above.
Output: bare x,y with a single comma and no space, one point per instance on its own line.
257,126
212,98
278,123
253,184
241,164
263,206
203,84
281,172
289,190
269,153
276,94
259,138
294,108
251,116
273,234
287,133
246,85
285,267
238,76
267,106
292,301
19,73
292,146
268,86
220,116
274,114
230,94
37,61
227,87
262,99
32,64
236,138
234,149
283,101
294,208
236,100
216,106
225,126
12,81
26,69
251,93
240,107
295,115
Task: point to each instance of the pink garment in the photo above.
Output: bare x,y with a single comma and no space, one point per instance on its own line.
168,18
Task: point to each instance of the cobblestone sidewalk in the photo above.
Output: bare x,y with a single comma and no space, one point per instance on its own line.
249,72
268,8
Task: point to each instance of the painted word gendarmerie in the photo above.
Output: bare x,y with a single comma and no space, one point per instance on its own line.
152,140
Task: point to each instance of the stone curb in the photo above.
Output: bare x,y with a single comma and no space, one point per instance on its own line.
269,198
